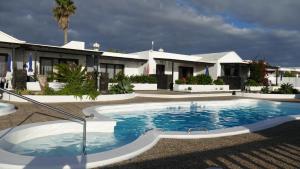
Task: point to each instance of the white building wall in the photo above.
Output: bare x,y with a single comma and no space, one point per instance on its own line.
230,57
291,80
152,63
215,71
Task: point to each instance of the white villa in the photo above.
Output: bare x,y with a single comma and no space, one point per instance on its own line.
168,67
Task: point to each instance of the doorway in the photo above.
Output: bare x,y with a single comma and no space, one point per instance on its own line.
160,70
3,64
163,80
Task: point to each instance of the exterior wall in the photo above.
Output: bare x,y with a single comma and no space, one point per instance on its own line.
231,57
200,88
215,71
291,80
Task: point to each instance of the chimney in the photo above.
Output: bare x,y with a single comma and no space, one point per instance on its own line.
96,46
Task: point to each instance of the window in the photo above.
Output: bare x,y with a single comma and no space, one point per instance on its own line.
68,61
111,69
48,64
119,68
185,72
3,64
230,69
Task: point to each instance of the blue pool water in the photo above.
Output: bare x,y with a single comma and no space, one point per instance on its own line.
176,117
6,109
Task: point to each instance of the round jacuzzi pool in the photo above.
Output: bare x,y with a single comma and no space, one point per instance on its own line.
6,109
123,131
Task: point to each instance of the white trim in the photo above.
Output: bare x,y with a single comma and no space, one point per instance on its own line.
200,88
177,96
67,99
269,96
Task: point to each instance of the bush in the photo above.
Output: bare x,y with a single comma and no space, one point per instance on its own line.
265,90
196,80
287,89
78,81
251,82
118,77
49,91
143,79
258,72
180,81
124,86
24,92
191,80
219,82
203,79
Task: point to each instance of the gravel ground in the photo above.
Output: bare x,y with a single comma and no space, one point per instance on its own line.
277,147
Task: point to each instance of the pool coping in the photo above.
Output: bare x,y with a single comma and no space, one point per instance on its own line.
9,109
140,145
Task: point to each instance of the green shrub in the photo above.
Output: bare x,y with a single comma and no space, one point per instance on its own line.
286,89
24,92
118,77
191,80
122,87
196,80
203,79
180,81
143,79
251,82
265,90
258,72
90,85
77,81
49,91
219,82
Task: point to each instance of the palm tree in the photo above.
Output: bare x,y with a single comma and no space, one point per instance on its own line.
62,11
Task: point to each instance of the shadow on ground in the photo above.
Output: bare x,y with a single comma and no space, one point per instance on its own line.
278,147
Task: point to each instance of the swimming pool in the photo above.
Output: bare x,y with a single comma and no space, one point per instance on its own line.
134,120
6,109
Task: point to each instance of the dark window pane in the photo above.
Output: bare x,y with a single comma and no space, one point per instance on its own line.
68,61
46,66
103,68
110,71
119,68
3,65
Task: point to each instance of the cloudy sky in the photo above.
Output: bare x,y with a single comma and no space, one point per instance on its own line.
267,29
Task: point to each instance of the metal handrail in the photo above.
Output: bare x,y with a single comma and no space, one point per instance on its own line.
72,116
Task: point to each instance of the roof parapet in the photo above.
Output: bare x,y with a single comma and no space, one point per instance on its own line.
4,37
75,45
